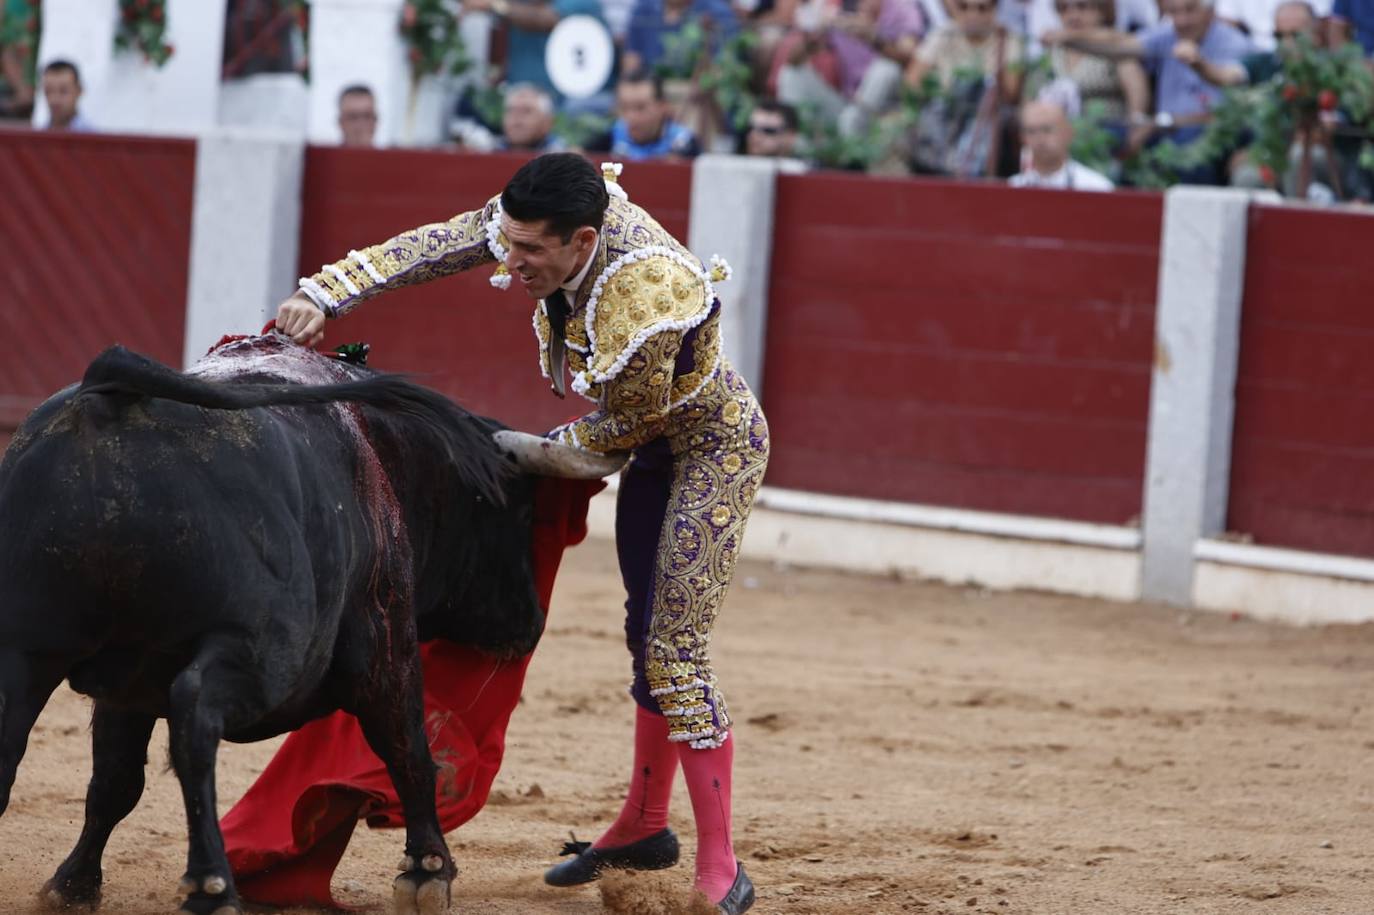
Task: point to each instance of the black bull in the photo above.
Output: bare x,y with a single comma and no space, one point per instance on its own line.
199,548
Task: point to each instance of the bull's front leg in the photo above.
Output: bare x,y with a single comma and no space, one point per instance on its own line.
389,705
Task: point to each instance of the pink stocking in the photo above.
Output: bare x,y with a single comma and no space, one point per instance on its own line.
708,783
651,784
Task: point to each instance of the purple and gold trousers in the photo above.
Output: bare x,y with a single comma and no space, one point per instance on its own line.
680,515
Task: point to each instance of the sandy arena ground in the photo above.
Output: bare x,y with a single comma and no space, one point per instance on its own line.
902,748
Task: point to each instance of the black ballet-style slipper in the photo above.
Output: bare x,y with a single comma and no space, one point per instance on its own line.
652,853
741,895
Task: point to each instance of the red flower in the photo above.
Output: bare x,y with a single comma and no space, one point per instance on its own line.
408,15
415,55
1266,174
1290,92
170,49
155,14
1327,100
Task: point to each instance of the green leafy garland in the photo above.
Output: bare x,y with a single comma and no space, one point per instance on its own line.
143,28
1265,118
433,40
21,32
727,76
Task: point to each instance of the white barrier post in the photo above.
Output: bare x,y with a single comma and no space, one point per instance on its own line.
123,92
359,42
245,233
1192,393
732,215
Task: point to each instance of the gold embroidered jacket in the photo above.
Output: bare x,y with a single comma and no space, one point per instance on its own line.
642,336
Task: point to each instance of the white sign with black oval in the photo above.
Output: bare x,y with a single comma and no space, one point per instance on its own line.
579,55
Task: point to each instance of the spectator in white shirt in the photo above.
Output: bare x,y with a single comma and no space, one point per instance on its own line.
1047,135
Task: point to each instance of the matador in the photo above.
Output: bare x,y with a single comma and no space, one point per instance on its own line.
632,318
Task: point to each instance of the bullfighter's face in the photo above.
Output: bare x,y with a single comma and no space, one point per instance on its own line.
543,260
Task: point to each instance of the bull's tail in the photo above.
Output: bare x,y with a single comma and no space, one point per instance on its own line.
122,371
119,371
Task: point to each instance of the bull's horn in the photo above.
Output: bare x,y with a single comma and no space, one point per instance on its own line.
550,459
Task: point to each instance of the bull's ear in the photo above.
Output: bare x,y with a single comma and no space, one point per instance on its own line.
543,457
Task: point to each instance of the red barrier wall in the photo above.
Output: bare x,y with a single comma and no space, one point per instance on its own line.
461,335
962,345
1302,472
97,239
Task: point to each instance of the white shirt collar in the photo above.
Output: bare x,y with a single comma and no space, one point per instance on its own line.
1059,178
571,286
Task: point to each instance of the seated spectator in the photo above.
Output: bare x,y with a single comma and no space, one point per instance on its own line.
846,61
529,23
1292,20
644,128
972,43
1047,135
1183,99
1353,18
1127,15
652,20
18,20
1256,18
62,92
1120,86
357,116
965,130
527,122
772,131
770,21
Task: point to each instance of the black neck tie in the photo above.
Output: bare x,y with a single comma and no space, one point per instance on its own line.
556,307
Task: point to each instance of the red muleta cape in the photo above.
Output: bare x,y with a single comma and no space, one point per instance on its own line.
287,834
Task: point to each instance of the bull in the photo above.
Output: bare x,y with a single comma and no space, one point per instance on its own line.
204,548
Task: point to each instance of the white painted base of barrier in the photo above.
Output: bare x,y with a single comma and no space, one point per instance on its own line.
1008,552
1287,585
1001,552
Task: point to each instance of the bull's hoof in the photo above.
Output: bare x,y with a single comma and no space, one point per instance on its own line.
433,898
416,895
210,895
71,892
206,906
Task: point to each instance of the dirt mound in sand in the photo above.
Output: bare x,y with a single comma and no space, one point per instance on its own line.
629,893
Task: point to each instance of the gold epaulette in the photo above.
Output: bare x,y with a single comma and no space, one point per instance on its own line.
646,292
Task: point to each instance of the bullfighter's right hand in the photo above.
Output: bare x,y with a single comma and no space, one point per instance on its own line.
301,320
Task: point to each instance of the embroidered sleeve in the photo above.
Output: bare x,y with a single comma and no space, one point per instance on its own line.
416,256
635,402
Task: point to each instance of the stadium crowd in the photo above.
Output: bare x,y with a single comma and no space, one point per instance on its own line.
1077,94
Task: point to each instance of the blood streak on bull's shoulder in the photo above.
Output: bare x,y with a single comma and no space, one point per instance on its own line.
273,358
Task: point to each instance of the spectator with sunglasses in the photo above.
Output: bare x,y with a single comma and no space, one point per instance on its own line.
773,131
1292,20
1256,19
